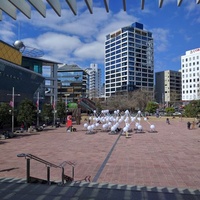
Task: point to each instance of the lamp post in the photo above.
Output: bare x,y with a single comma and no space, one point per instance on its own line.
54,111
12,103
38,107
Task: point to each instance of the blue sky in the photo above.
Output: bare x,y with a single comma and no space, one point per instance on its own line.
80,39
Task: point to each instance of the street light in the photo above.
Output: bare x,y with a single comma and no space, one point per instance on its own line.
12,103
38,107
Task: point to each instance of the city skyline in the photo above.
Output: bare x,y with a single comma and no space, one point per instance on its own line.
80,39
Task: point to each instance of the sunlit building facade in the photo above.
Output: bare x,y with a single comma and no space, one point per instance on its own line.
129,60
94,81
168,86
190,68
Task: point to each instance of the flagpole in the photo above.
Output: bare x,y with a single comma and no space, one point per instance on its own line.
38,108
13,104
54,111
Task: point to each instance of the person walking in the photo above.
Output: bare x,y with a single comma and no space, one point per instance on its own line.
188,125
167,121
193,125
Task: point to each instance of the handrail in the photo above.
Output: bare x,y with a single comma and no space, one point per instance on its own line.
89,103
48,164
67,162
86,106
38,159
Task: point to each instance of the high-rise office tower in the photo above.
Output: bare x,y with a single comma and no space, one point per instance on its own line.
94,81
190,68
129,60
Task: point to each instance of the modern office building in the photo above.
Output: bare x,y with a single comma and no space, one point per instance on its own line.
48,69
16,82
168,87
190,67
72,83
129,60
94,81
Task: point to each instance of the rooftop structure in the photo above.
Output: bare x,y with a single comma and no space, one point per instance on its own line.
12,6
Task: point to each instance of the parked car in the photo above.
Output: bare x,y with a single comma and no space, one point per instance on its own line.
177,114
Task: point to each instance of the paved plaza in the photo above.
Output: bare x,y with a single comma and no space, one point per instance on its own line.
169,157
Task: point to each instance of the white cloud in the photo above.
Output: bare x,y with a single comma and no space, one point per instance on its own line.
75,39
161,39
7,34
94,50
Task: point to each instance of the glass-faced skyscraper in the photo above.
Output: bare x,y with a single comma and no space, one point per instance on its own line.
129,60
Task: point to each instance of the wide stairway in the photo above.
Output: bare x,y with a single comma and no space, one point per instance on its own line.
19,189
35,188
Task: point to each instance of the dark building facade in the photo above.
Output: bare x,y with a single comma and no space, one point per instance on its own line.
25,82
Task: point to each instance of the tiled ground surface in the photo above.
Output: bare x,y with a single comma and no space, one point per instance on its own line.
168,158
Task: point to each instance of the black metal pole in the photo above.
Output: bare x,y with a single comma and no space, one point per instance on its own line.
28,170
63,176
73,172
48,175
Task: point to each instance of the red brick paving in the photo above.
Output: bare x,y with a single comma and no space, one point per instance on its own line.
168,158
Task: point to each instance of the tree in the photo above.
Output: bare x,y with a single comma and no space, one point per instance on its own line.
61,110
5,117
47,113
135,100
193,109
27,112
140,98
169,110
151,107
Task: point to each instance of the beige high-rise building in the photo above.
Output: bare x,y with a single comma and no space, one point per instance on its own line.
168,86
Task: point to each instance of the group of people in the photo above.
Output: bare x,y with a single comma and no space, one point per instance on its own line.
189,124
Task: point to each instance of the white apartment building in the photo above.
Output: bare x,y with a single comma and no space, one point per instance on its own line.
94,81
129,60
190,68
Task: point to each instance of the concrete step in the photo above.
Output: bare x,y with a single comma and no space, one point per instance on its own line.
18,189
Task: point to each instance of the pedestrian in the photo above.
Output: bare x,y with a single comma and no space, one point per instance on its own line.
188,125
22,127
167,121
193,124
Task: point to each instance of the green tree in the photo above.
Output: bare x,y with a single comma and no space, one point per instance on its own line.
193,109
47,113
61,110
151,107
5,116
169,110
26,112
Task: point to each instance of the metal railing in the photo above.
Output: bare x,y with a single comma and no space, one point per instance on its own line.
28,157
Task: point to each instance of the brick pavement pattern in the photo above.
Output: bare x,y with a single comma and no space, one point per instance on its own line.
168,158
